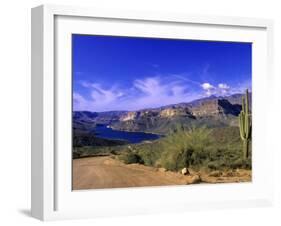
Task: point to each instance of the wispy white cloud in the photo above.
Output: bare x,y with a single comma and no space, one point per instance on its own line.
144,93
155,92
100,97
79,101
205,74
223,86
207,86
148,93
223,89
149,86
241,87
184,78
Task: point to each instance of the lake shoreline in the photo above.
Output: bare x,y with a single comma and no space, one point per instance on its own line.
132,137
159,134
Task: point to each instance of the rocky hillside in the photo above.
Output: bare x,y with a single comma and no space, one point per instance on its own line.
86,120
211,111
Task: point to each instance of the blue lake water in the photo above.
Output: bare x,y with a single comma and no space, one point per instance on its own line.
103,131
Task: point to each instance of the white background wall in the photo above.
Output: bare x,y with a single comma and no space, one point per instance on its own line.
15,111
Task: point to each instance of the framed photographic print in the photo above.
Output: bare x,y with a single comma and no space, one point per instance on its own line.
137,112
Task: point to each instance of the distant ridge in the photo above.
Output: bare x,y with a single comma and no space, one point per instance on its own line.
213,111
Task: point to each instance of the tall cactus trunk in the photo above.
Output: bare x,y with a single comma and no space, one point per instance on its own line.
245,125
246,148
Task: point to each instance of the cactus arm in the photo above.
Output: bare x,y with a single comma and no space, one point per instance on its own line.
247,102
241,123
243,104
240,127
246,126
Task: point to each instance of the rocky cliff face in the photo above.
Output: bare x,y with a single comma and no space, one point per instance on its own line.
216,107
214,111
175,112
168,112
129,116
208,107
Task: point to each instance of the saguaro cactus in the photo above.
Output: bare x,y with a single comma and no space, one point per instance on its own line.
245,124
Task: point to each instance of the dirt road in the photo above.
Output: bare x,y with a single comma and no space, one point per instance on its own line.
106,172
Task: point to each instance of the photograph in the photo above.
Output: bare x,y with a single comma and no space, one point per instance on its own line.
154,111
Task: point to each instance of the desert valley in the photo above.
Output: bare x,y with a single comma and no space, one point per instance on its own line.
184,143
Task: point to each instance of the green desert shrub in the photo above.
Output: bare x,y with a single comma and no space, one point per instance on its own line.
149,152
241,163
185,147
149,157
175,159
195,147
129,158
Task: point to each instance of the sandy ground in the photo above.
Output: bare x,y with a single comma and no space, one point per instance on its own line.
106,172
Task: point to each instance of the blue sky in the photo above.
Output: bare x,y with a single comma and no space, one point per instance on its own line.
123,73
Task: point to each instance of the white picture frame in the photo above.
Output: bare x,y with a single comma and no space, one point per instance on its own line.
52,197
